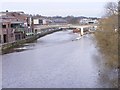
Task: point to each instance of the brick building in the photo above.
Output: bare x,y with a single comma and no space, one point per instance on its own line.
15,26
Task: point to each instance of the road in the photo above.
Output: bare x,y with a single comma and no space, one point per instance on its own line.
56,61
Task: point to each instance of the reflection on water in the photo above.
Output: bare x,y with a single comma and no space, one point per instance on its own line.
24,47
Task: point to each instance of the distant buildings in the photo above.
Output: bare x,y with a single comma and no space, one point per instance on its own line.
48,21
59,21
88,21
39,21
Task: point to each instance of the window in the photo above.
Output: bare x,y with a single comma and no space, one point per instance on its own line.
15,25
3,26
40,22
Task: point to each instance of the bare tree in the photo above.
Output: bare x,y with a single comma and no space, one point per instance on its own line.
111,8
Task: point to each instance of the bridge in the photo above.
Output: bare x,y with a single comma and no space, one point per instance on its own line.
82,28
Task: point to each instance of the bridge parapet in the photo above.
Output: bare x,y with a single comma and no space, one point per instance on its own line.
64,27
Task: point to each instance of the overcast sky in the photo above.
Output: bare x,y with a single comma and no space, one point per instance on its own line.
90,8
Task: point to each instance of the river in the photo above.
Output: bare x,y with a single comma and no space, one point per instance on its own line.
57,61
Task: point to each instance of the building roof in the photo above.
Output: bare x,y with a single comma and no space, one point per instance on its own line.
13,17
18,14
11,21
7,17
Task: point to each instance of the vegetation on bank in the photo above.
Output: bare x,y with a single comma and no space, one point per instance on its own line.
107,34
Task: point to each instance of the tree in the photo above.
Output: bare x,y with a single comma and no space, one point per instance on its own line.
107,38
111,8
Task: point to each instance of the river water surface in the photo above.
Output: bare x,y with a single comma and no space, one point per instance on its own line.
57,61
